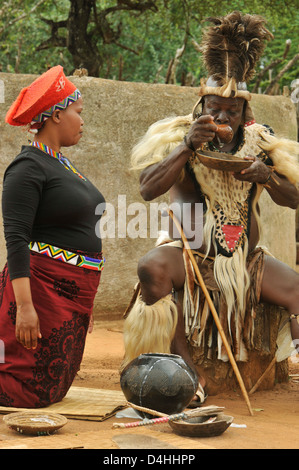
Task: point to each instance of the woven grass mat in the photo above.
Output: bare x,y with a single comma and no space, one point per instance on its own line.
83,403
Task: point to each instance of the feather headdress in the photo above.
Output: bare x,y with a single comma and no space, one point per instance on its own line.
231,48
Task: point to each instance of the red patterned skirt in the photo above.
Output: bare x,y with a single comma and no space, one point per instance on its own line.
63,296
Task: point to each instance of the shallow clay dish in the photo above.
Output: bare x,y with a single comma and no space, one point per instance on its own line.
222,161
34,423
200,427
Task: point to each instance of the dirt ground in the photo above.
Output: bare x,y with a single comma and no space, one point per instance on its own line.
274,425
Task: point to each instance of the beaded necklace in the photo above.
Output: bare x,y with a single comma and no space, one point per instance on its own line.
63,160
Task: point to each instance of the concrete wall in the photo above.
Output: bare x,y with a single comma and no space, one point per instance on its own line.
116,114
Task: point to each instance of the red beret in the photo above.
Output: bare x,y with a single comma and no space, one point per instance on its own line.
46,91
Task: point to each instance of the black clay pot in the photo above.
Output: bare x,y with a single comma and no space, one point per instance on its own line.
160,382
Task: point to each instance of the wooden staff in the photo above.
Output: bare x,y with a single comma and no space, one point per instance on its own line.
284,349
256,386
214,313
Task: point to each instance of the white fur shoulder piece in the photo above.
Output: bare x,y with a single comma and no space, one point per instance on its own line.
160,139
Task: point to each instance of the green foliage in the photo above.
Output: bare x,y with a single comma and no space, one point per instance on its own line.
20,39
286,29
148,40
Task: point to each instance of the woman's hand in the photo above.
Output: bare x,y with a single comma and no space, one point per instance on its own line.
91,322
27,322
27,326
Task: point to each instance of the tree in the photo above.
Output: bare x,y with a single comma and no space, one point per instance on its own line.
88,28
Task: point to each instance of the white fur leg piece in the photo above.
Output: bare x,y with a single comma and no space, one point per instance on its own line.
149,328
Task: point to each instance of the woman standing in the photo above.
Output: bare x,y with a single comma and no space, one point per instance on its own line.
54,258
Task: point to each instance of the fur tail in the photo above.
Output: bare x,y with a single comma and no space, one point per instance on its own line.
149,328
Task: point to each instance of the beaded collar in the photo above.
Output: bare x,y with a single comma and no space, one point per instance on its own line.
63,160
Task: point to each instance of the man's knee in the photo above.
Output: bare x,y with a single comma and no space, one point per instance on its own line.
152,268
280,285
292,296
160,271
154,276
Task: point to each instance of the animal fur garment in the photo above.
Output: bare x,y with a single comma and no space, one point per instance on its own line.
284,153
199,324
232,47
149,328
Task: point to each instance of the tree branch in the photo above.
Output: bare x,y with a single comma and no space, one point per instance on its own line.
287,67
24,15
170,75
131,5
54,40
271,66
122,46
196,45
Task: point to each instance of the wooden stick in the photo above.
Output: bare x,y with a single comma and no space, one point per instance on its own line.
263,376
204,411
148,422
147,410
214,313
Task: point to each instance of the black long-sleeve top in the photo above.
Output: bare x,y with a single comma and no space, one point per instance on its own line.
43,201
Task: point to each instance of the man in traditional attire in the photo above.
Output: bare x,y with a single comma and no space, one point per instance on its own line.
237,273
